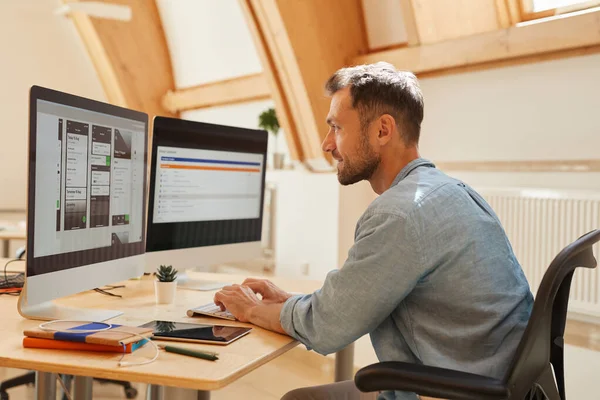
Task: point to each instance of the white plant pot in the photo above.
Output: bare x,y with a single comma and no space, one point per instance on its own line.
278,160
165,292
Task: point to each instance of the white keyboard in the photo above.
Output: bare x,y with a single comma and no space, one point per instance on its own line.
211,310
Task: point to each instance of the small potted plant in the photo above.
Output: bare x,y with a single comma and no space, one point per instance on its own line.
267,120
165,285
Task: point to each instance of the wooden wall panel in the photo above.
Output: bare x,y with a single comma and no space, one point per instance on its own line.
440,20
131,58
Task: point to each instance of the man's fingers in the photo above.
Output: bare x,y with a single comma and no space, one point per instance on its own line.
230,287
257,286
220,298
220,305
256,280
248,280
224,298
260,288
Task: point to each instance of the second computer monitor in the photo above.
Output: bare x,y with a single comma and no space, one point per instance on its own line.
206,195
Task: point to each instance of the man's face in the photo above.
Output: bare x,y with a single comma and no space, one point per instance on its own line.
348,143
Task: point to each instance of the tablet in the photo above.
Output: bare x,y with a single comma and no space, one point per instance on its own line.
197,333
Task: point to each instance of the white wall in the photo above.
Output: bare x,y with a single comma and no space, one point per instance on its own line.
541,111
37,48
244,115
306,229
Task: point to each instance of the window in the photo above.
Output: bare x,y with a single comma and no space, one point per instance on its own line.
534,9
545,5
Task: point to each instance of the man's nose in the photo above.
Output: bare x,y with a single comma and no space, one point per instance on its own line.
328,144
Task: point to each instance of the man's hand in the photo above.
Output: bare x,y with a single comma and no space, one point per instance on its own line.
238,300
242,302
270,293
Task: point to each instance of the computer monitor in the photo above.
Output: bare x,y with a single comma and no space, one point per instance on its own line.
205,203
86,201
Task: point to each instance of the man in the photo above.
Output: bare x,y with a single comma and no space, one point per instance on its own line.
431,276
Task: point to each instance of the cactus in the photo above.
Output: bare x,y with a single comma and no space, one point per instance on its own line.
166,273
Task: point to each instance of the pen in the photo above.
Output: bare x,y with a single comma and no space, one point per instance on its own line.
192,353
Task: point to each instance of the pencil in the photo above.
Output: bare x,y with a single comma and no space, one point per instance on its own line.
192,353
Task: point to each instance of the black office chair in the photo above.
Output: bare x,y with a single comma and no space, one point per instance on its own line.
29,379
541,348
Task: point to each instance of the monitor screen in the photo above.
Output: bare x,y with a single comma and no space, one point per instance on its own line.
87,182
206,185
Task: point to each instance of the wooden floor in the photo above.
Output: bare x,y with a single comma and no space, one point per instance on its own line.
583,334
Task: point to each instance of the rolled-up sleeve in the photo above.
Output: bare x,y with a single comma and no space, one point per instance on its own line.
383,266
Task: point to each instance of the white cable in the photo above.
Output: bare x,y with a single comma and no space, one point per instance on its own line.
129,364
44,328
121,363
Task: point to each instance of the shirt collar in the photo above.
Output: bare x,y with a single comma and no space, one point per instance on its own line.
419,162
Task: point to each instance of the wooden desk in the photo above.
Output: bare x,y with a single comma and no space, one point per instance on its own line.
6,236
138,305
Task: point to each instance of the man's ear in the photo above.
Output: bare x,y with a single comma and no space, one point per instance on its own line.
387,126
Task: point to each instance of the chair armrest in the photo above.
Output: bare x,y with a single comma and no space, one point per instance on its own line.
429,381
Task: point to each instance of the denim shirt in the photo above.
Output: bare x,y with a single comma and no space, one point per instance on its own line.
431,277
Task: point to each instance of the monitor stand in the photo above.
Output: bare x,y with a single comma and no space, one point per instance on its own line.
49,311
185,282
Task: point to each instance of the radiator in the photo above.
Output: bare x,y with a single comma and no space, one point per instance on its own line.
539,224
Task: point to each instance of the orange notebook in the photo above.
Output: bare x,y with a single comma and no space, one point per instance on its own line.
37,343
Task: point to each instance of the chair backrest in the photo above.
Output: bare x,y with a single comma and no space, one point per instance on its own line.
542,341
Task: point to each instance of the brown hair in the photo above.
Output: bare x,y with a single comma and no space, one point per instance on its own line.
378,89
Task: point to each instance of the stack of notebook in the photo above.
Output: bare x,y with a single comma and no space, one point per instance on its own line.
118,339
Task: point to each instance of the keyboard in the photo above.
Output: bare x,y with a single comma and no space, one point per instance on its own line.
12,281
210,310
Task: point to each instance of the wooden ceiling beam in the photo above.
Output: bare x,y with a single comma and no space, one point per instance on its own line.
306,44
230,91
282,105
410,23
131,57
534,40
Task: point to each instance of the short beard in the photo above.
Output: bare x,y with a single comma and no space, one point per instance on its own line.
363,167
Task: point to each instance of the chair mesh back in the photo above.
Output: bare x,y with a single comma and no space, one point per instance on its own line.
542,341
